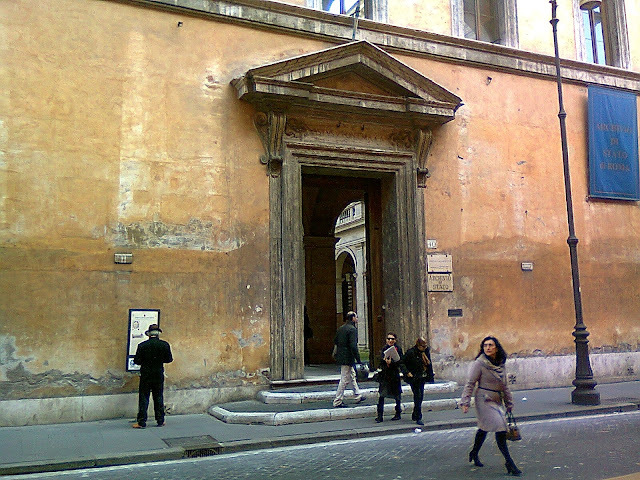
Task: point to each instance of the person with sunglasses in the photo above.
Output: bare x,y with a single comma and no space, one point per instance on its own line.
417,370
389,376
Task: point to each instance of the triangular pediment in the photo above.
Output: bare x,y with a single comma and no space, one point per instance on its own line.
357,77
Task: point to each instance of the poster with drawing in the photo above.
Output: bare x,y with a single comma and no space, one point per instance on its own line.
139,321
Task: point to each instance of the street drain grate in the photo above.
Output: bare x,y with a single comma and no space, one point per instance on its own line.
195,447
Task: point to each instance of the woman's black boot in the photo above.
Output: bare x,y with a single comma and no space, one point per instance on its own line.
473,457
512,469
477,444
501,440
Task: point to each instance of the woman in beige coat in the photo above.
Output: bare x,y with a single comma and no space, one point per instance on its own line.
488,373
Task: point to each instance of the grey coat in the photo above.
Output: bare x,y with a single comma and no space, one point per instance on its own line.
491,389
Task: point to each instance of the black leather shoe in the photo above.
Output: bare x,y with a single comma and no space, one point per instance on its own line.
419,422
396,417
379,420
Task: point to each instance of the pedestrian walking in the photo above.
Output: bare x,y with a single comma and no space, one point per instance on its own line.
417,370
151,355
389,377
347,355
487,373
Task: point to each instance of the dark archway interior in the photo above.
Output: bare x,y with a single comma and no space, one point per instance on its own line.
324,197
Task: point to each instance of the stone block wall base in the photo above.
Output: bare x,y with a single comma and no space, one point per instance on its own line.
43,411
555,371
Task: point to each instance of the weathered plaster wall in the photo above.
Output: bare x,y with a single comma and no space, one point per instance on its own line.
120,132
495,199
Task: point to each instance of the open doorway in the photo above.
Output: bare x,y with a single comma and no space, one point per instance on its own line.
342,259
351,269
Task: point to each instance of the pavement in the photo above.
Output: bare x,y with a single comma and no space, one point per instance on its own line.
44,448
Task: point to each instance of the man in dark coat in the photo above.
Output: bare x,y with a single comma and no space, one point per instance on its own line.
347,355
417,370
151,355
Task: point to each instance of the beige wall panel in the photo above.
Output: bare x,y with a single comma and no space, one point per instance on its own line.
633,18
535,32
431,16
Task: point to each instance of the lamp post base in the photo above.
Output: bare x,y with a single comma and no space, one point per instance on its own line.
585,396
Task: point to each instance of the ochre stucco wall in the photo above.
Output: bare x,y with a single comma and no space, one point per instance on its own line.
496,199
119,131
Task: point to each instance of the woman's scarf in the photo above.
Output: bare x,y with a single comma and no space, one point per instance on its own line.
496,370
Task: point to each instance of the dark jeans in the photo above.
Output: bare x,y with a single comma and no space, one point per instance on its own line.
154,387
417,387
398,400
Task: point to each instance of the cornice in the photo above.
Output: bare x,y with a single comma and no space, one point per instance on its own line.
338,29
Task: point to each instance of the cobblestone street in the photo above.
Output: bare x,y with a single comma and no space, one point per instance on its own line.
584,448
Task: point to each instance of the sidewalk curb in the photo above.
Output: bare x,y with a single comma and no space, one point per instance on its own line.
92,462
298,439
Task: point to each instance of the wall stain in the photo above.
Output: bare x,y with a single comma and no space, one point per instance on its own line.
194,235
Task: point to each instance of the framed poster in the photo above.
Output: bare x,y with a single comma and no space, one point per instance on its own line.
139,321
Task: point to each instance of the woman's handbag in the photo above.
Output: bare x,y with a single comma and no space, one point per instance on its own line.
513,432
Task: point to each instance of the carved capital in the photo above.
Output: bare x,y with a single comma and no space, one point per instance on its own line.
271,128
424,141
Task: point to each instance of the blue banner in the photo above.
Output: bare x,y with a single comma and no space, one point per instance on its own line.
613,144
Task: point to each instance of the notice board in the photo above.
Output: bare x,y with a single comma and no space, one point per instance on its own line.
139,321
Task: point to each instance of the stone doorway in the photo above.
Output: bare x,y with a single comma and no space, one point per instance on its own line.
355,116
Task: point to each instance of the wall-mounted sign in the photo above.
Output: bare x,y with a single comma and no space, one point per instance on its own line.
139,321
439,263
613,144
440,282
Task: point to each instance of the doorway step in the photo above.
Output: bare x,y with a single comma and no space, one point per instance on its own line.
314,403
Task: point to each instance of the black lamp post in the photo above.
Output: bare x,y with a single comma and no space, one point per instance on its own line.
584,393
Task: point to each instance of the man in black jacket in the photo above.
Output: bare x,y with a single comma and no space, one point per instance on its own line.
347,355
151,355
417,370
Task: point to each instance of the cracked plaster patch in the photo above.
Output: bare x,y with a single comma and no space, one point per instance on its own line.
254,340
9,361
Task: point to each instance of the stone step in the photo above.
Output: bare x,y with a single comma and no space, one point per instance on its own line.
315,405
294,397
323,414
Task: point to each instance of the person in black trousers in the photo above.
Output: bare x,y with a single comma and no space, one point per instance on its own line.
389,378
488,377
151,355
417,370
